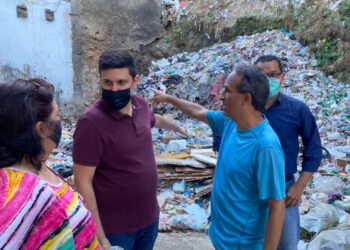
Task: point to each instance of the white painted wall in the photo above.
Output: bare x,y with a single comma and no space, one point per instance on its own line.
36,46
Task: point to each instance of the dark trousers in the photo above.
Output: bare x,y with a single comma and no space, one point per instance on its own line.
143,239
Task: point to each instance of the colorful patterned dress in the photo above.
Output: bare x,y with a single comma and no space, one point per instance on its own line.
37,215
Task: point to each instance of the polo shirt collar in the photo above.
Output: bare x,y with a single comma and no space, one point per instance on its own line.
279,100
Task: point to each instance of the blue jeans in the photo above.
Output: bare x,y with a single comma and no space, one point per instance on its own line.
291,227
143,239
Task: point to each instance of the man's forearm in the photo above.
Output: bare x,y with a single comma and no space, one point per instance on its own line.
164,123
304,179
274,224
87,191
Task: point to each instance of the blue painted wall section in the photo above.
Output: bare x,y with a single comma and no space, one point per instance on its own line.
36,47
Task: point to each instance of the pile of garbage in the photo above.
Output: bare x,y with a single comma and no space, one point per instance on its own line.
186,165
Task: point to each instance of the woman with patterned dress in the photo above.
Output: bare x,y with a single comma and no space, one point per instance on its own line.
38,209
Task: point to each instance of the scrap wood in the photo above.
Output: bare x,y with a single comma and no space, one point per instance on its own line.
206,151
185,162
188,170
187,178
183,155
165,169
204,158
207,172
201,191
210,181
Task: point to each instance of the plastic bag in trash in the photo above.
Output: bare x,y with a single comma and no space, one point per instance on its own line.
196,219
321,217
179,186
328,184
331,239
302,245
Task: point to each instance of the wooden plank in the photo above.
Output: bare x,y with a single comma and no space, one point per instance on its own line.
179,162
201,191
204,158
173,156
187,178
206,151
188,170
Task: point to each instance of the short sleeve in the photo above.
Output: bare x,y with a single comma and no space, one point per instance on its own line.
270,174
87,143
216,121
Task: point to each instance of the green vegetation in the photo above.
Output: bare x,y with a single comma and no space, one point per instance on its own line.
179,34
305,235
251,25
327,54
344,11
326,32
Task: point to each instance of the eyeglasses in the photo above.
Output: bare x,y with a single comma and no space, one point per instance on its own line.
274,75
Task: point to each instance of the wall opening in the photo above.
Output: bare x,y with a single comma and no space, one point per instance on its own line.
22,11
49,15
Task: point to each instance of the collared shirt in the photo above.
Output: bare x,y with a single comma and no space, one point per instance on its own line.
121,148
290,117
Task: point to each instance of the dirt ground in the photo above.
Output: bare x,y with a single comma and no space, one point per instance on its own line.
183,241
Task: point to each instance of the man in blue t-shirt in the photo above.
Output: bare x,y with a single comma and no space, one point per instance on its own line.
249,185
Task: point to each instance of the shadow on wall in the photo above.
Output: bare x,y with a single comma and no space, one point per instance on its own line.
9,73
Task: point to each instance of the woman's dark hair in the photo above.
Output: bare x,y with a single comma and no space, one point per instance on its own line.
22,104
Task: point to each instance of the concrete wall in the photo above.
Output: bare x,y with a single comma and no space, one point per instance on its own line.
35,47
98,25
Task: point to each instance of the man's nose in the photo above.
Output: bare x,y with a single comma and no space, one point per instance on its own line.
115,87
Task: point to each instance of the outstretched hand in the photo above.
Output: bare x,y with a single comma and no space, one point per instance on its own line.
159,97
183,132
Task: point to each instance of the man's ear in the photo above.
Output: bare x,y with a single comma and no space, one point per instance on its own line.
135,82
41,129
247,99
283,75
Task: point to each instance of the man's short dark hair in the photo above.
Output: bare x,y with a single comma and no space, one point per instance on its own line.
254,82
269,58
117,58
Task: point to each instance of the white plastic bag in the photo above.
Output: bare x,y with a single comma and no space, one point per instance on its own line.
321,217
328,184
331,240
196,219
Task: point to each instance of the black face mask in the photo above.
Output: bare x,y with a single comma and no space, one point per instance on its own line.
116,99
56,136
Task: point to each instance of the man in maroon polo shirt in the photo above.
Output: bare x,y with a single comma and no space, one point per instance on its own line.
114,164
